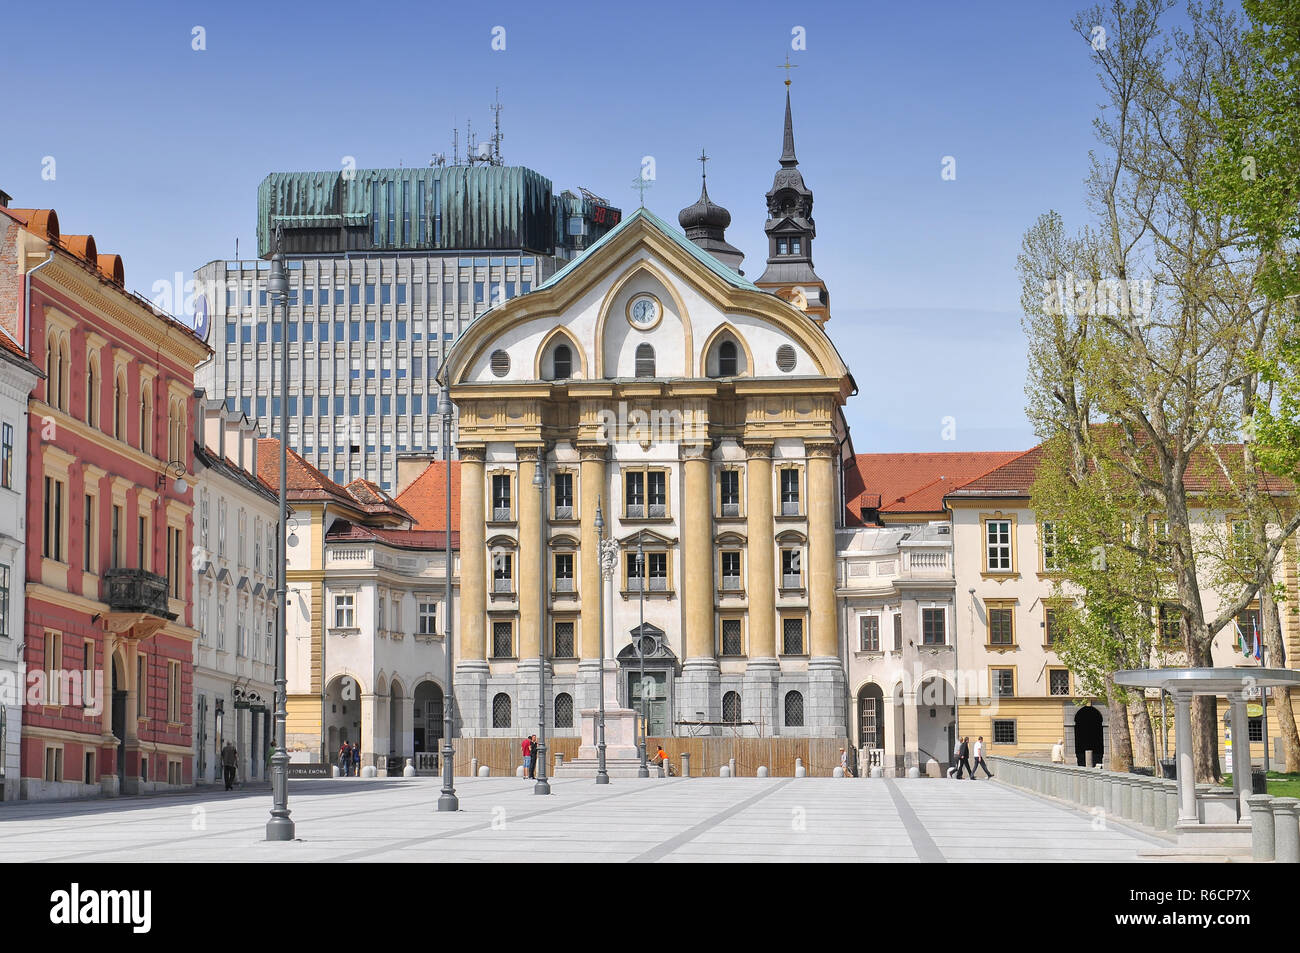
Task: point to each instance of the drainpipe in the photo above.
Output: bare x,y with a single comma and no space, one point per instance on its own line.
27,309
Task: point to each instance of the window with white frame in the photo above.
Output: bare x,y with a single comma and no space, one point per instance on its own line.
1051,551
428,617
998,545
344,610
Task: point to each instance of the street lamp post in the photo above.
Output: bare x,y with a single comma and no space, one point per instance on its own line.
642,771
448,801
608,558
539,480
280,827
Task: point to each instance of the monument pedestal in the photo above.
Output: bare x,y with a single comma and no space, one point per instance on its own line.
622,758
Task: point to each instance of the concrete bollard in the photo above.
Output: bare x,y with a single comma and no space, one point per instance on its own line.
1286,830
762,771
484,771
838,772
724,772
799,770
334,770
877,772
1263,833
1171,805
1159,803
409,770
559,759
369,771
1126,798
913,772
686,765
731,763
473,767
519,771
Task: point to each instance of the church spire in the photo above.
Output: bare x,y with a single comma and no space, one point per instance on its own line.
790,230
788,160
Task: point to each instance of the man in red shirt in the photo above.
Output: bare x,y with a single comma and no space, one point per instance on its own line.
527,746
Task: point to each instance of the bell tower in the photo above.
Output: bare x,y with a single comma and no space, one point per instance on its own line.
790,232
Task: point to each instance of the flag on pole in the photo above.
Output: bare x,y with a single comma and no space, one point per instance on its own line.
1241,638
1258,655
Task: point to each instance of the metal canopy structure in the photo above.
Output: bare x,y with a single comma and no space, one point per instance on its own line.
1186,683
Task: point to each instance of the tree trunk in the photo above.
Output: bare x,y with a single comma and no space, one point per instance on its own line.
1144,750
1276,658
1121,745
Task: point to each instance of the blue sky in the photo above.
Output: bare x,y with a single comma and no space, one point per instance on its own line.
159,148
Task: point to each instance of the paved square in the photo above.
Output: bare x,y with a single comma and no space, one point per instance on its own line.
693,819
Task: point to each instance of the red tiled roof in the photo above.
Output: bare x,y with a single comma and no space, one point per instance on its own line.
1016,477
912,482
305,481
426,498
344,530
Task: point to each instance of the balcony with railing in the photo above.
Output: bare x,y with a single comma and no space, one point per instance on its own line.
928,563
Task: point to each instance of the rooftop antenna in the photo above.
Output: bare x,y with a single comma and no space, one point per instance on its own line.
496,108
455,146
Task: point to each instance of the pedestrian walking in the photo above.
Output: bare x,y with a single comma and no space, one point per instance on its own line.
527,747
356,761
844,763
956,758
963,759
979,758
229,761
1058,752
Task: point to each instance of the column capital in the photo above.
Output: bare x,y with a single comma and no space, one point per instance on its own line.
758,449
530,453
593,452
696,451
475,454
820,448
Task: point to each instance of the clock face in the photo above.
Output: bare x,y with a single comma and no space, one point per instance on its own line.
643,312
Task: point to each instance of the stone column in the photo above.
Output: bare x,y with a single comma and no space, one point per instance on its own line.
699,689
911,733
591,489
760,587
529,556
762,670
370,702
471,619
826,680
473,559
1183,747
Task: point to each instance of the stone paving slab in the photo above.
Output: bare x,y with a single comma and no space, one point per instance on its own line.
677,820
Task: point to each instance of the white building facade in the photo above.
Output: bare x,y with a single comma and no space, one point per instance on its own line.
17,378
234,591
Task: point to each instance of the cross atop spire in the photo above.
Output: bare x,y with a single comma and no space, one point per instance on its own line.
787,66
701,159
641,183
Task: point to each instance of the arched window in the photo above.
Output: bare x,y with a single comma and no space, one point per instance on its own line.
731,708
728,365
563,711
119,406
501,711
794,709
645,360
92,391
65,365
563,362
870,726
146,417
